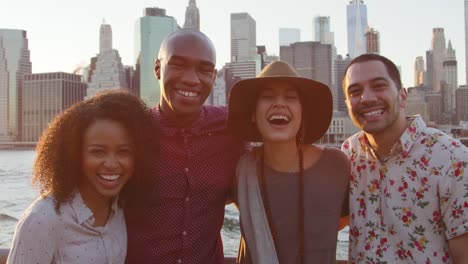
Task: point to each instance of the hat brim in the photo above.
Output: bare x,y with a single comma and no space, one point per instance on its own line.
317,106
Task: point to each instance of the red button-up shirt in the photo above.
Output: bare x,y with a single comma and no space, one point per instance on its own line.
180,218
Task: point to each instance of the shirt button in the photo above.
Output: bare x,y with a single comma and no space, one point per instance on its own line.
187,199
179,261
184,233
186,169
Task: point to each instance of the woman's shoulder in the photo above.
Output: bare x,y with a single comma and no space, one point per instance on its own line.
42,210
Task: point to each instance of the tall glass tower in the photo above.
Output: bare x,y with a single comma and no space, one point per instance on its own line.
150,30
14,63
356,12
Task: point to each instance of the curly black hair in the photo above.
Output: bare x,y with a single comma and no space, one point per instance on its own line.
57,168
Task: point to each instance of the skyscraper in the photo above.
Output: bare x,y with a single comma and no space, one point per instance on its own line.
372,41
356,12
289,35
451,79
150,30
243,37
419,71
322,30
109,73
14,64
192,16
313,60
438,56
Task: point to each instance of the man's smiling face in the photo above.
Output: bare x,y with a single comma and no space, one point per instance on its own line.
186,70
374,102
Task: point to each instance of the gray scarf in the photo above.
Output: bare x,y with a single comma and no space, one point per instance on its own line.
253,219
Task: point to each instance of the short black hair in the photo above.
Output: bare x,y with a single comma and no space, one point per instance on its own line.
392,69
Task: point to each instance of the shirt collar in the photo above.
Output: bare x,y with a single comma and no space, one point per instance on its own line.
406,141
169,128
83,213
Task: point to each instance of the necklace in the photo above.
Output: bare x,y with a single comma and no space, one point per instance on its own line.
266,204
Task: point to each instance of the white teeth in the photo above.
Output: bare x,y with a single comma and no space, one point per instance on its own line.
187,93
278,117
374,113
109,177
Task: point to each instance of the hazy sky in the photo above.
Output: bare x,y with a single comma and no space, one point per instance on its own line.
64,34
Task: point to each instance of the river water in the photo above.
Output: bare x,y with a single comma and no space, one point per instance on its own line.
17,192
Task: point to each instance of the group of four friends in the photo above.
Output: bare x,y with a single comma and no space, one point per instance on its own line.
123,183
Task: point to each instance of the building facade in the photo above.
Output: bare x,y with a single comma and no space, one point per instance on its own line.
356,13
466,40
461,95
341,65
192,16
243,37
15,62
288,36
438,57
372,41
108,72
434,107
322,31
150,30
450,77
419,71
45,95
313,60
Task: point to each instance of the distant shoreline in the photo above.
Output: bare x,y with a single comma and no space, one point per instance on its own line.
18,145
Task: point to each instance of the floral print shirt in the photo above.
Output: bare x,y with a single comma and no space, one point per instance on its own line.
405,209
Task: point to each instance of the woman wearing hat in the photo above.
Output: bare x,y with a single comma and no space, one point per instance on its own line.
290,193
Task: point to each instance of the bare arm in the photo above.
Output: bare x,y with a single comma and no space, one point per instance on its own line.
459,249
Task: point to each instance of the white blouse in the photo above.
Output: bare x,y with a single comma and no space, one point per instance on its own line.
43,236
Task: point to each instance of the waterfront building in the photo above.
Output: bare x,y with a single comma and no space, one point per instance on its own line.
356,13
243,37
289,35
313,60
451,79
341,65
45,95
419,71
150,30
461,95
192,16
15,62
322,31
372,41
108,71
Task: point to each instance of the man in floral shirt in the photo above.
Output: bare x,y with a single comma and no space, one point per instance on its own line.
409,182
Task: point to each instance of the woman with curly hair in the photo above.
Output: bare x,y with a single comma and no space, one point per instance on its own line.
93,158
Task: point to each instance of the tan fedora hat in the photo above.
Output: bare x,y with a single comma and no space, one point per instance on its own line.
316,98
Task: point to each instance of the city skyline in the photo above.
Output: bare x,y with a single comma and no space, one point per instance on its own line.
66,36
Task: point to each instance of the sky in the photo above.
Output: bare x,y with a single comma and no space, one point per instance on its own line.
64,34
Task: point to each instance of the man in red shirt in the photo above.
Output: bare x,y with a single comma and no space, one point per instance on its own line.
179,219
